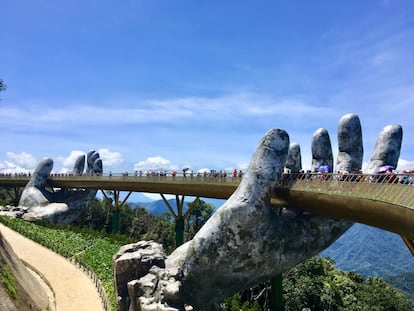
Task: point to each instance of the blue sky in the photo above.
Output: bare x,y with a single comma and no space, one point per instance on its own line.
168,84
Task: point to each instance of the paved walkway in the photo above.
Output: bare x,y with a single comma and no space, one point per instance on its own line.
74,290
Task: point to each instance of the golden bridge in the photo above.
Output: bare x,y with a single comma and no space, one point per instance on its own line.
376,200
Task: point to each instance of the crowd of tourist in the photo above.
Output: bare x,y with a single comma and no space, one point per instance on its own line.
388,176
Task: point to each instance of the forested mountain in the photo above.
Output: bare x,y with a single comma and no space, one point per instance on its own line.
374,252
371,251
158,207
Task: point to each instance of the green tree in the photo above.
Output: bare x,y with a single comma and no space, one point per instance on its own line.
317,285
199,215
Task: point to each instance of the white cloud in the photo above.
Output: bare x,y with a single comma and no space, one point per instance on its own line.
23,159
69,161
156,163
405,165
7,167
402,165
164,111
110,159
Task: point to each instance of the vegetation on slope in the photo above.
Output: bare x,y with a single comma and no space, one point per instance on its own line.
9,281
371,251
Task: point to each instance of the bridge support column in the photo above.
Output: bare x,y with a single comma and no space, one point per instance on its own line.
276,298
179,217
179,231
116,206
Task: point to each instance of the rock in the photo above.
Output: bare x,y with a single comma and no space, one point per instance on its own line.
350,146
244,243
132,262
321,150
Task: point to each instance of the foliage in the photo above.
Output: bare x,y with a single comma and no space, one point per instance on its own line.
199,215
9,281
136,223
316,284
371,252
235,303
10,195
404,282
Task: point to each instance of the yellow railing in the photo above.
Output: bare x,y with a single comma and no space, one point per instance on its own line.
396,188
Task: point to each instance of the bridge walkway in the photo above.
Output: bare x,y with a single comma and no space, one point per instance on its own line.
386,202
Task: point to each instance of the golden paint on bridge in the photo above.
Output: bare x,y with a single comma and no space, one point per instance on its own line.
368,199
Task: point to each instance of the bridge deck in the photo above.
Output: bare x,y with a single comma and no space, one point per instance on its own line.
368,199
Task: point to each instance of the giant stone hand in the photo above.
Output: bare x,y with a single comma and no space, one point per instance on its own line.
61,206
247,241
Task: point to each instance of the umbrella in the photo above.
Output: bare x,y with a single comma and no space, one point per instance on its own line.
383,169
185,169
325,169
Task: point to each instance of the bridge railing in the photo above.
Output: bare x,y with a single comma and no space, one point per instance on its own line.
391,188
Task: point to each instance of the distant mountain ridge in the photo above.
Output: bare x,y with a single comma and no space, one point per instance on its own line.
371,251
159,207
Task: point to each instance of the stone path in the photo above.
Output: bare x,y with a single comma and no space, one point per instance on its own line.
74,290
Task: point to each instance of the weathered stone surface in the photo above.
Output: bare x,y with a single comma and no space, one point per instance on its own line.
35,194
321,150
245,242
132,262
61,206
387,148
294,159
350,146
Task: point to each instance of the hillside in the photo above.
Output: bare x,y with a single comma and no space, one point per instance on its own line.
404,282
158,207
371,252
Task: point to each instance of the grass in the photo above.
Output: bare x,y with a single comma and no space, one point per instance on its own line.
7,278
